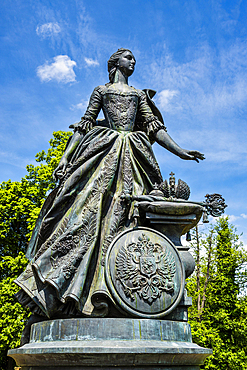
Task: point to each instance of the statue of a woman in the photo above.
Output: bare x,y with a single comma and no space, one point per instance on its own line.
103,161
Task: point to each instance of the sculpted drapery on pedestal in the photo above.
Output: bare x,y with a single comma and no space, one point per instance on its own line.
102,162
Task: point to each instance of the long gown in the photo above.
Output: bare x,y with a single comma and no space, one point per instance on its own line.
65,277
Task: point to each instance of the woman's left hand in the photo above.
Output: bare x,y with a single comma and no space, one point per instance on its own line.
191,155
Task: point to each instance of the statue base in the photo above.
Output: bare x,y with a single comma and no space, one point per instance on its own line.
110,343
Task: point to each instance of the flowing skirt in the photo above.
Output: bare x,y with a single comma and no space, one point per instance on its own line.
65,277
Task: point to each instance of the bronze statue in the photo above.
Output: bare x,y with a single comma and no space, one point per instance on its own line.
103,161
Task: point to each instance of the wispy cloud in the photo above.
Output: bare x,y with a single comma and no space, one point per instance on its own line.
164,99
81,106
15,160
48,29
234,218
91,63
206,98
208,83
219,145
61,70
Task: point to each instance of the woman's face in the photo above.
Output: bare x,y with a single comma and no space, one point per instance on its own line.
126,63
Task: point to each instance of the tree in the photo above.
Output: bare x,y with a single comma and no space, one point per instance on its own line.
12,315
20,204
218,315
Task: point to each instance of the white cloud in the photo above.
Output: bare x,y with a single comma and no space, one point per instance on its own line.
206,85
219,145
81,106
14,160
204,100
232,218
61,70
48,29
91,63
164,98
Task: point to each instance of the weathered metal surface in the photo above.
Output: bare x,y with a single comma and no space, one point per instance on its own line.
77,270
152,367
144,273
112,367
122,343
110,329
181,190
101,164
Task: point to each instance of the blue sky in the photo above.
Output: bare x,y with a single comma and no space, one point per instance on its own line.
193,53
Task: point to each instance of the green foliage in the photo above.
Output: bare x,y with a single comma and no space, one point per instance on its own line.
12,315
20,204
218,315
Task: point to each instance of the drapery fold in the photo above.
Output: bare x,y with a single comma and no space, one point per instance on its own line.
83,217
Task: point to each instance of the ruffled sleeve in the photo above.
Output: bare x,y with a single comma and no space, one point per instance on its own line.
146,120
88,121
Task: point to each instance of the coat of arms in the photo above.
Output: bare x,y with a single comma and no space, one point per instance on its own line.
145,268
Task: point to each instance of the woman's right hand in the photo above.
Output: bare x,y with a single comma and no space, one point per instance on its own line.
191,155
60,170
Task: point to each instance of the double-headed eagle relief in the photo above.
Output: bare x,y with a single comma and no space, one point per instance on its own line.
145,268
144,273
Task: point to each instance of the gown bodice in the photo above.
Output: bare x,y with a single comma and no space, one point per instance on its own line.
123,110
120,109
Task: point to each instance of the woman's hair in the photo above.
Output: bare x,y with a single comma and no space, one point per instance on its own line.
113,61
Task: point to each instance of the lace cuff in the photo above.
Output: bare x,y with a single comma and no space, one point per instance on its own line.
153,125
84,126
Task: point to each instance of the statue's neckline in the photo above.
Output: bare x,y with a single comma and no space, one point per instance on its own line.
112,90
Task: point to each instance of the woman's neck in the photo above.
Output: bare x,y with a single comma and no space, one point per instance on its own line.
120,78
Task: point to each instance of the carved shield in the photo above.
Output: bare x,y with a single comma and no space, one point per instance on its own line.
147,265
144,273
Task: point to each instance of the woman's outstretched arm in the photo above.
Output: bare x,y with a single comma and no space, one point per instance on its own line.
163,139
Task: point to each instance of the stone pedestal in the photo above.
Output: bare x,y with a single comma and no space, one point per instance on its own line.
110,343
